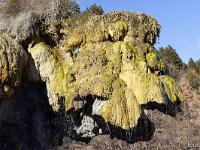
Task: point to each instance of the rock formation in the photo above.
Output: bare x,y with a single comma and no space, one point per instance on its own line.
111,58
103,66
13,60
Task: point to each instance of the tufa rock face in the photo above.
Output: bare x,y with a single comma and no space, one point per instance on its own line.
104,64
108,57
45,67
116,26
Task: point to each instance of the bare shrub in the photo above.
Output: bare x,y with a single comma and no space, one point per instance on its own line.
19,17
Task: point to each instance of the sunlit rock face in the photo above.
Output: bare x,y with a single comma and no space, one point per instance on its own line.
108,58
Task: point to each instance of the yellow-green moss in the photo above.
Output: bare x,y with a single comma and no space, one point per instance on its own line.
151,59
146,87
100,85
99,28
122,109
171,89
161,65
38,47
55,74
118,30
113,53
75,38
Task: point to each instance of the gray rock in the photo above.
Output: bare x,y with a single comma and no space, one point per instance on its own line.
97,105
87,127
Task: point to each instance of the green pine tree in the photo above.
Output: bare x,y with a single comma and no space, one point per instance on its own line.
198,65
94,9
170,57
192,65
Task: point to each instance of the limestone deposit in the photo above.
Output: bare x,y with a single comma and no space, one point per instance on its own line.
111,57
102,66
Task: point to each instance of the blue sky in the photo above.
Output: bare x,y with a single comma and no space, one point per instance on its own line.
180,21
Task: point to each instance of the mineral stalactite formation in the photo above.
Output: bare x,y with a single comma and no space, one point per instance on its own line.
102,66
112,57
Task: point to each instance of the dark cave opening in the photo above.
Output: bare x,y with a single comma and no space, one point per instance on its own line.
143,131
27,119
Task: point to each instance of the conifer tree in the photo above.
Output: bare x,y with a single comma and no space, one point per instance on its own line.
94,9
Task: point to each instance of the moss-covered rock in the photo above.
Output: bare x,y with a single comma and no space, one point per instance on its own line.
146,87
152,59
122,109
118,30
116,62
108,57
51,71
171,89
